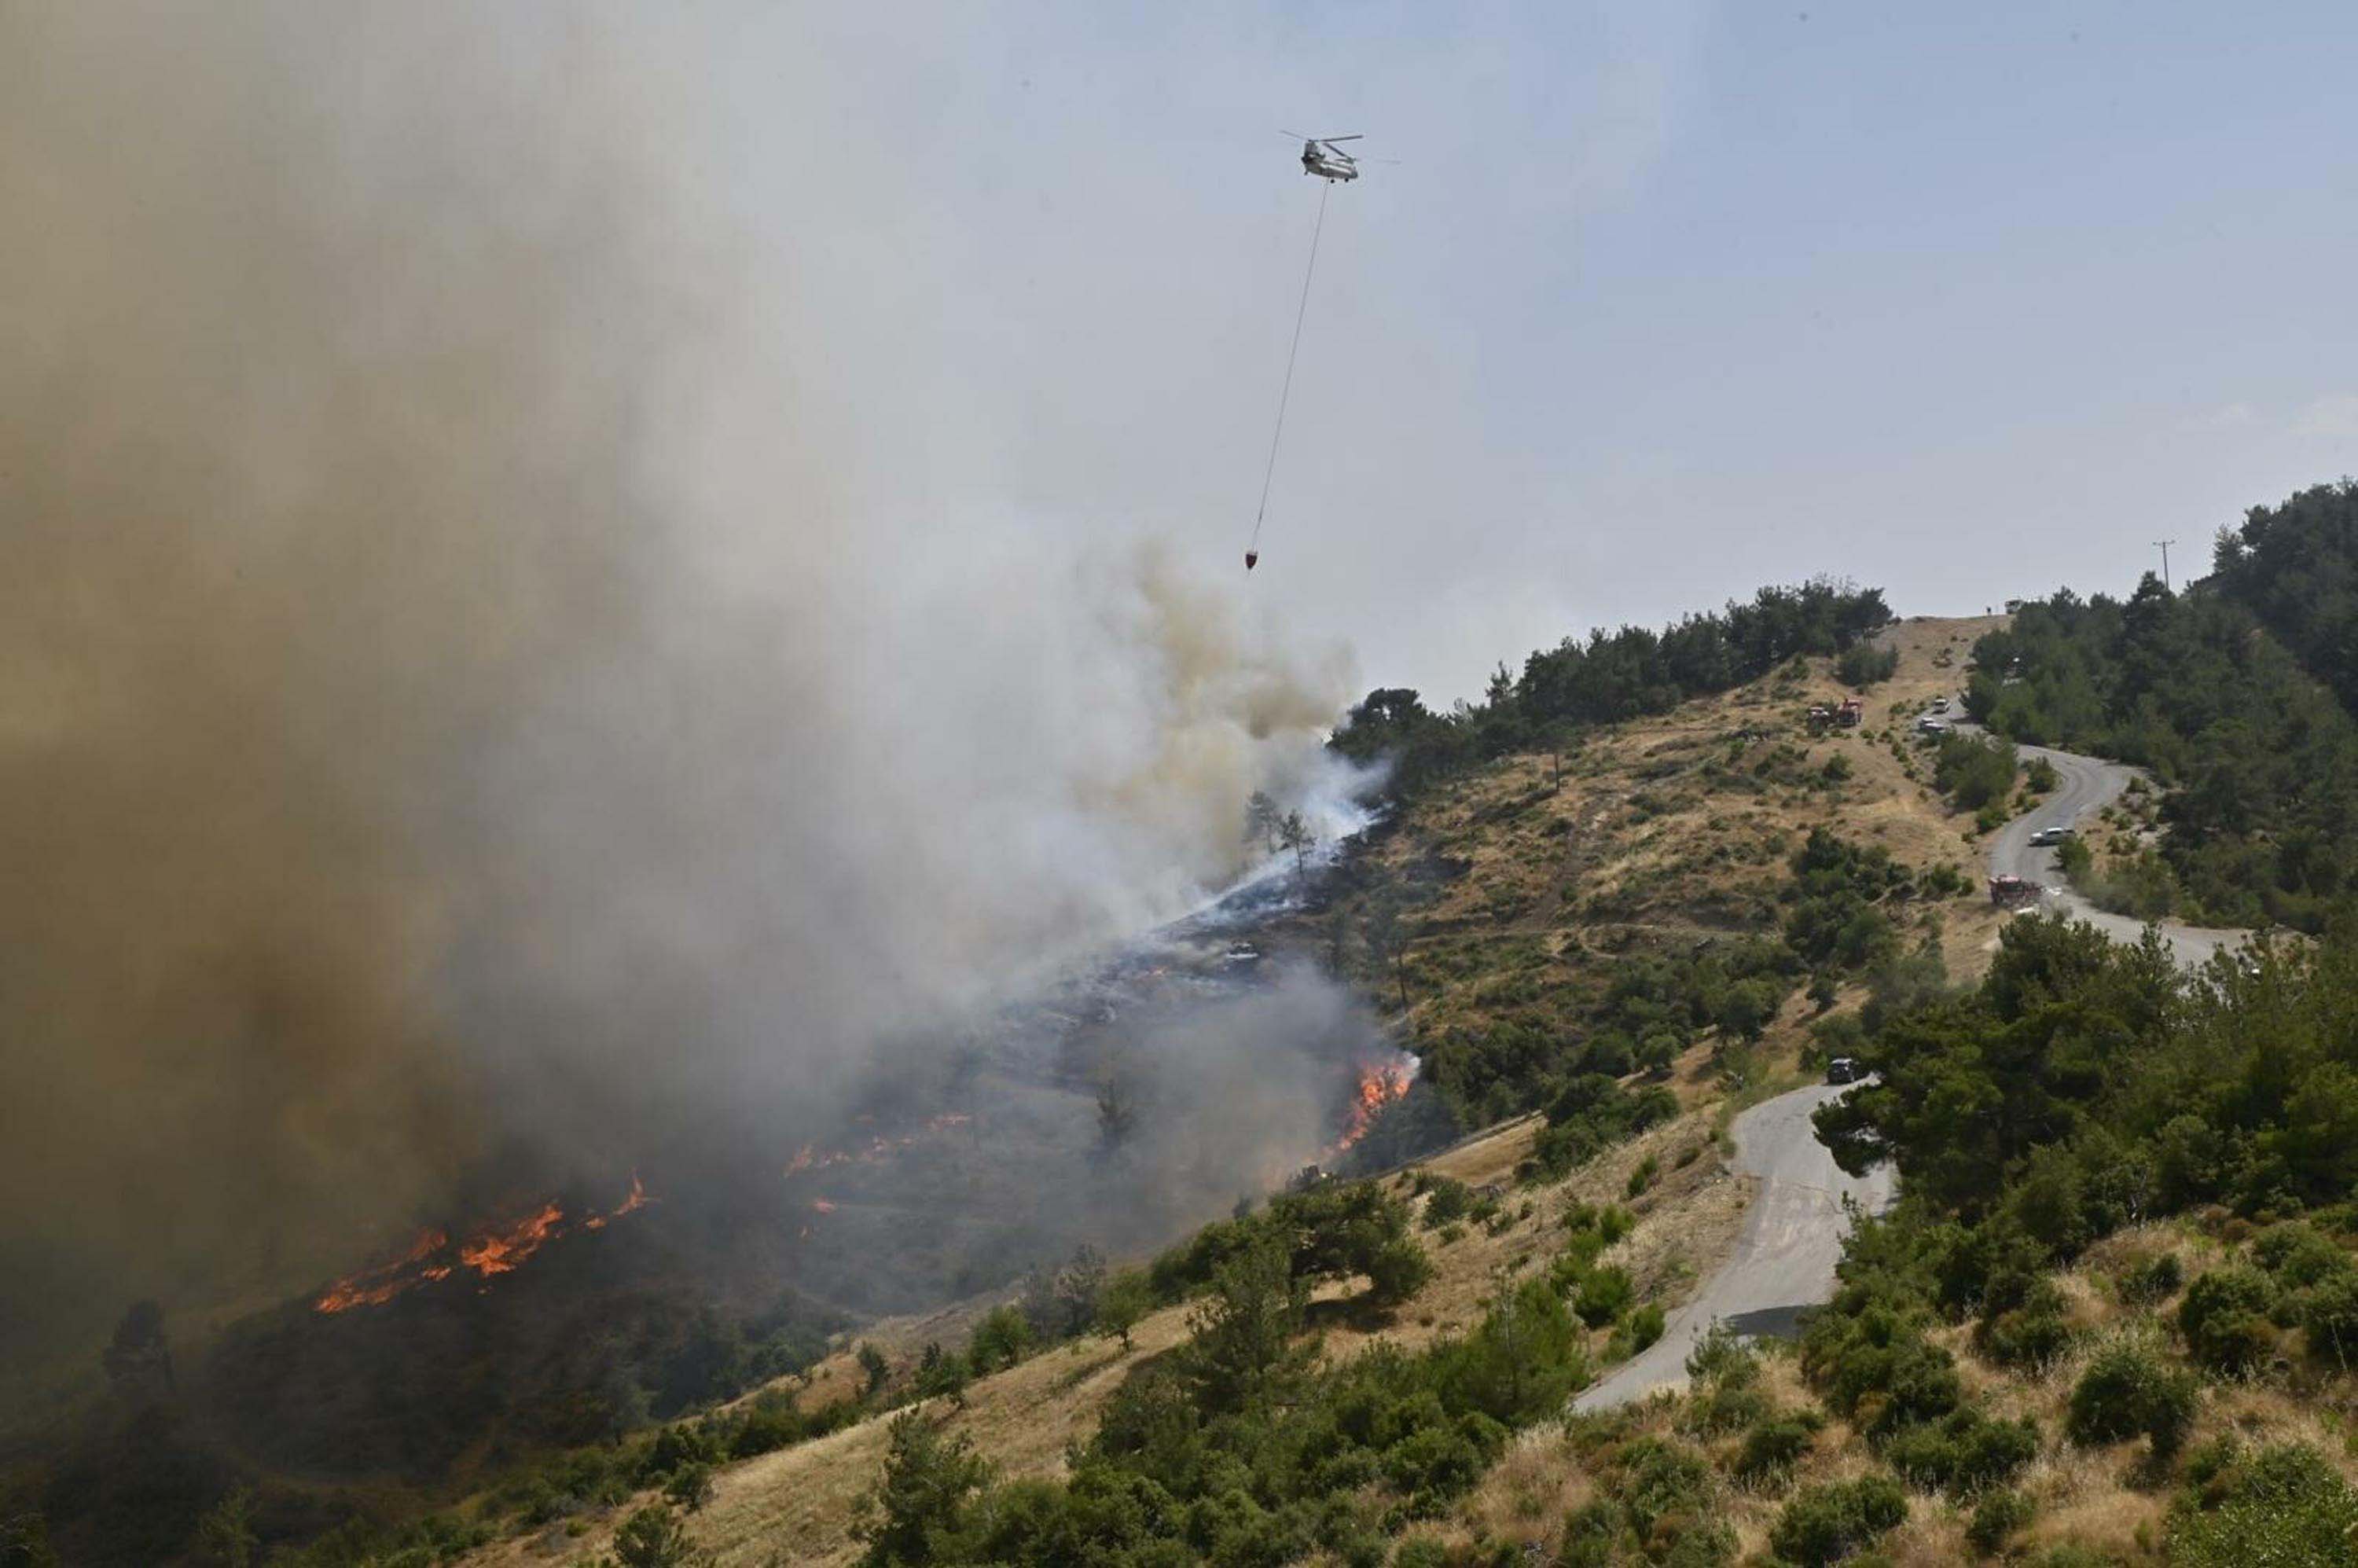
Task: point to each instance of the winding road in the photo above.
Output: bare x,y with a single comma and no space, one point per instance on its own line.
2085,786
1784,1261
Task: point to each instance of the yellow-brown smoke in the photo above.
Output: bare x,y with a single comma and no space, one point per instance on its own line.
456,681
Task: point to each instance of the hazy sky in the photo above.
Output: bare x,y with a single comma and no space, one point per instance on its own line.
1661,302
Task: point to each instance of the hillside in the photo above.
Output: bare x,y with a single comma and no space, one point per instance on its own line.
2108,1321
1523,888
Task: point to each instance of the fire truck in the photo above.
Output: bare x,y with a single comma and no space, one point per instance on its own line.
2013,892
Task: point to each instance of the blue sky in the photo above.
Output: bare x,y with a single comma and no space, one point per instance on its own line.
1661,302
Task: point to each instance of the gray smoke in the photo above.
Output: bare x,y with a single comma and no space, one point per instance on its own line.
479,658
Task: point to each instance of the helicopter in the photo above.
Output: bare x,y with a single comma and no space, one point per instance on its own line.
1324,156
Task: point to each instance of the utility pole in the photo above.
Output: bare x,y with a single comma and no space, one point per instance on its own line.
2164,544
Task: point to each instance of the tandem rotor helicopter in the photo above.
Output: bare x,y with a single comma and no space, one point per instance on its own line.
1324,156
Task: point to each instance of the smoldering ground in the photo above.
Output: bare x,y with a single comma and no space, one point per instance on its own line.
474,678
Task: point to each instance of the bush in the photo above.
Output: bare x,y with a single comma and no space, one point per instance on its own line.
2223,1319
1449,1199
2031,1335
1876,1367
2125,1391
924,1494
2298,1255
1862,664
2152,1282
1964,1452
653,1538
1398,1271
1973,771
1643,1176
1772,1448
690,1486
1825,1524
1660,1483
1723,1409
2286,1505
1604,1294
2329,1311
1000,1340
1997,1516
1421,1551
940,1373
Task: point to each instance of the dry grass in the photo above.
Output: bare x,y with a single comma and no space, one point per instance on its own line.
1666,831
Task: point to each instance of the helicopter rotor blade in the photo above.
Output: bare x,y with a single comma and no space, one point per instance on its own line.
1354,136
1294,136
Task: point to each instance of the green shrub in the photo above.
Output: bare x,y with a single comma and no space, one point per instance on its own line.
1421,1551
1996,1516
1717,1408
2224,1318
1862,664
1876,1368
653,1538
2298,1255
2329,1311
690,1486
2127,1390
2152,1282
1398,1271
1000,1339
1660,1481
1772,1448
1964,1452
2285,1505
1604,1294
1643,1176
2031,1335
1723,1358
1827,1524
1449,1199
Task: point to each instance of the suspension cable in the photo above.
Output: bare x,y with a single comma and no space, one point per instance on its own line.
1286,393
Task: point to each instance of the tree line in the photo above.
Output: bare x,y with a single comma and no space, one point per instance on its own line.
1610,677
2238,693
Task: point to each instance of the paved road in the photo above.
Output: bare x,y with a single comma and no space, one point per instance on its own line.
1783,1262
1792,1237
2086,785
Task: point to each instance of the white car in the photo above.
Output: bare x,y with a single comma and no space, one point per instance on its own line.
1939,704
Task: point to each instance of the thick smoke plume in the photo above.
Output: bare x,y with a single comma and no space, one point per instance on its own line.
476,667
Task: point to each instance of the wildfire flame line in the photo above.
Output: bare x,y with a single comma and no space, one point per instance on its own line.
1380,1084
811,1157
488,1250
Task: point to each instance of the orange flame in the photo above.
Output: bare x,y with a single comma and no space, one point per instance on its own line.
811,1157
503,1251
1379,1086
488,1250
374,1287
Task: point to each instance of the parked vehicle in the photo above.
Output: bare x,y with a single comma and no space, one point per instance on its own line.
1844,1070
2007,892
2046,836
1928,725
1939,704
